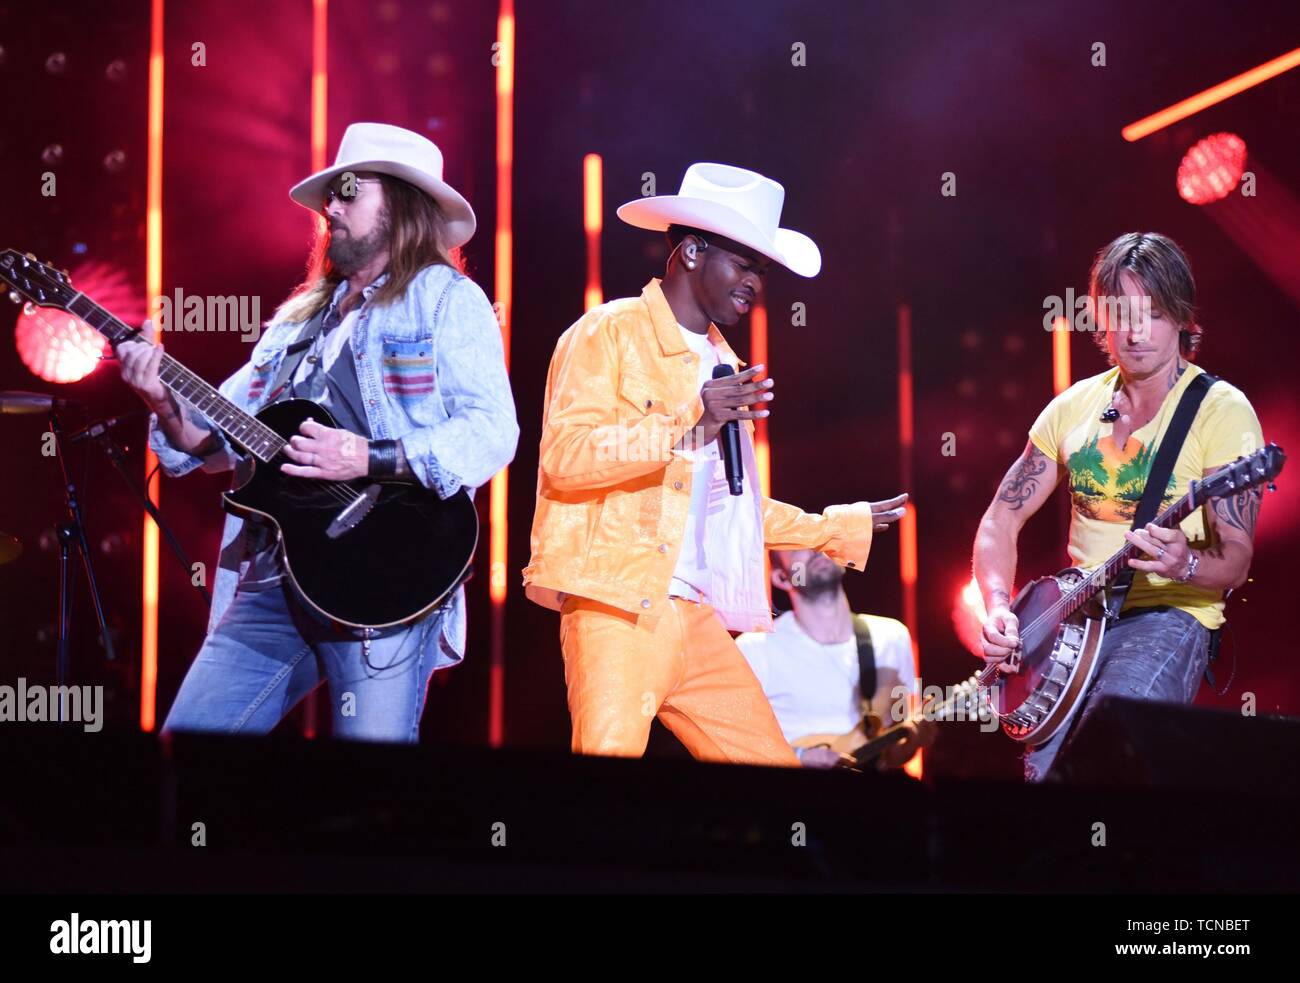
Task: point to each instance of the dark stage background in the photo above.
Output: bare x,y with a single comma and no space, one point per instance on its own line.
892,96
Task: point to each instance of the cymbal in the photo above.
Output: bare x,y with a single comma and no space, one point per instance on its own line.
11,547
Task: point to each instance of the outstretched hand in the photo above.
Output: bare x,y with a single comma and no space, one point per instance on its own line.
888,512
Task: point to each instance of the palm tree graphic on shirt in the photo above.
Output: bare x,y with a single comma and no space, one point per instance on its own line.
1106,482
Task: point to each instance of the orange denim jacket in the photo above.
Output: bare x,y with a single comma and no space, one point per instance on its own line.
612,497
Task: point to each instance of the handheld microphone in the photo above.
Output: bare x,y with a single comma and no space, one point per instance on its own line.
729,439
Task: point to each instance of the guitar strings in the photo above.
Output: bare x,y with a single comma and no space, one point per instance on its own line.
1058,610
268,436
1061,607
260,431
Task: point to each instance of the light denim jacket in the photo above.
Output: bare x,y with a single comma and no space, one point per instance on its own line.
432,373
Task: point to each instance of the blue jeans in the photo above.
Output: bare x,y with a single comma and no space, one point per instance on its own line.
267,653
1155,654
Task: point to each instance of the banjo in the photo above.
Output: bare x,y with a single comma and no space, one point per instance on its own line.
1063,622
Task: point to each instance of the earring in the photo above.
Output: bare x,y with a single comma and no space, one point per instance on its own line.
690,265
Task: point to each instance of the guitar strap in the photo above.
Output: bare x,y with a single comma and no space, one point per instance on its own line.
295,353
866,661
1158,477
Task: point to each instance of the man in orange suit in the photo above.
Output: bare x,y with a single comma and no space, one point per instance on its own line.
638,540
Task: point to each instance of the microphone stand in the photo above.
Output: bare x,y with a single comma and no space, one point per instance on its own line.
114,453
70,533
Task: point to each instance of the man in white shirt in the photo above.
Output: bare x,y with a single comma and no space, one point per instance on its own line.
809,664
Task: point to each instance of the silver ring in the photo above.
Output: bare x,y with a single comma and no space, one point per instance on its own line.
1160,555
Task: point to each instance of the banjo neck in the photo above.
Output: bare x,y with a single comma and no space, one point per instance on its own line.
1104,575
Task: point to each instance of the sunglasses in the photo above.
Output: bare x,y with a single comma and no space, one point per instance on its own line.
347,191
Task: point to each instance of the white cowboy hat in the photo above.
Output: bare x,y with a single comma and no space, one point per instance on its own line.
733,202
392,150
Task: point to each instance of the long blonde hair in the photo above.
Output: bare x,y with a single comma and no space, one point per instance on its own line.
415,240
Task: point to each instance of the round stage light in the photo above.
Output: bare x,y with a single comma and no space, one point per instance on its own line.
57,347
1211,169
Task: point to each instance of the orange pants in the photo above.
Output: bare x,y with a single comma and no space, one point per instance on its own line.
687,670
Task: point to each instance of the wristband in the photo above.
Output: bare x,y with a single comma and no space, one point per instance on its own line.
383,458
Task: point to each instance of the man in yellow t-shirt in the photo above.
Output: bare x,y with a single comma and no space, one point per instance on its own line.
1102,434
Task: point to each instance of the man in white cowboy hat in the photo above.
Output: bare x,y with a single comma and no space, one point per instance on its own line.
637,539
405,352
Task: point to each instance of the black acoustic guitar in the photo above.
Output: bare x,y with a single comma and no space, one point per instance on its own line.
363,554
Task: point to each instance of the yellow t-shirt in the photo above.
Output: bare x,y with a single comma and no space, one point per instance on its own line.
1106,481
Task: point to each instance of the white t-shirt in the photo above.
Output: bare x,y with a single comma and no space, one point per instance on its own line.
712,505
813,688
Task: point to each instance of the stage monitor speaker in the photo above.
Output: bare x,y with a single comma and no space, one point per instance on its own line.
1167,745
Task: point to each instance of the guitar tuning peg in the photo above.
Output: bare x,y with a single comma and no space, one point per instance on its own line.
1272,486
13,296
31,256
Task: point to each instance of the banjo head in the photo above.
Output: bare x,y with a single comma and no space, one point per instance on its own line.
1038,635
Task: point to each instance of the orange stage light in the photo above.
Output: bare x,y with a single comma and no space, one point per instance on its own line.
319,135
592,196
1214,94
907,543
153,288
1060,355
504,271
758,356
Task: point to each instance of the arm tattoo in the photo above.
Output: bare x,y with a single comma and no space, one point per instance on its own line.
1000,596
1021,481
1240,510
